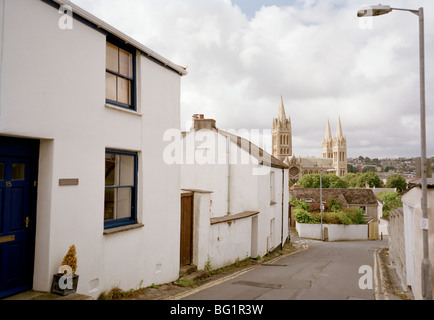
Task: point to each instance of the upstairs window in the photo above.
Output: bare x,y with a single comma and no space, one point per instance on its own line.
120,76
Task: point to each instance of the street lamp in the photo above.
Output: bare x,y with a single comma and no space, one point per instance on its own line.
321,205
372,11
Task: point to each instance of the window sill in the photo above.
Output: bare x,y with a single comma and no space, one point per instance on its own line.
123,228
111,106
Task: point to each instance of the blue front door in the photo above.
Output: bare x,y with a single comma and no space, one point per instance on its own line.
17,218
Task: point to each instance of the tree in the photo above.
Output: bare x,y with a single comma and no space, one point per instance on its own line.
396,181
328,181
351,179
309,181
369,169
371,178
335,182
352,169
390,201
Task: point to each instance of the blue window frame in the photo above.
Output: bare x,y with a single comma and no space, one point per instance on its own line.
120,196
120,74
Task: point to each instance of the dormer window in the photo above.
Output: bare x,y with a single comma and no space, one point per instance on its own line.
120,76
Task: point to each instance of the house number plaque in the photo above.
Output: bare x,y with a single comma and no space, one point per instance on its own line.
68,182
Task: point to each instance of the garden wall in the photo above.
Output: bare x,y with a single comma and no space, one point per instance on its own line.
336,232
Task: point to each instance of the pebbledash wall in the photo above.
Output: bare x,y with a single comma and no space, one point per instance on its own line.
53,90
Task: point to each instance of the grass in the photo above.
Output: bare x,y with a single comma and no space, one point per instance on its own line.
389,279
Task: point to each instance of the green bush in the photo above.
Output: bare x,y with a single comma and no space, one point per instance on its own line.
303,216
299,204
391,201
355,214
345,216
334,205
330,218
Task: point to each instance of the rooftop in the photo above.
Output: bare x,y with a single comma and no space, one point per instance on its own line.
86,17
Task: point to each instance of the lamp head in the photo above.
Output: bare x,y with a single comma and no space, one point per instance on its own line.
372,11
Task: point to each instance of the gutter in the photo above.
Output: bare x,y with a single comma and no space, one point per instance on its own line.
128,40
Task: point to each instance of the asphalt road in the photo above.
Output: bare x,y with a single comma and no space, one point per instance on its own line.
324,271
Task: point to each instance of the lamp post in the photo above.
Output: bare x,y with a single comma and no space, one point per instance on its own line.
372,11
321,205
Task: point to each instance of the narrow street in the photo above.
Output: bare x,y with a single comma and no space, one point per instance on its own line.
324,271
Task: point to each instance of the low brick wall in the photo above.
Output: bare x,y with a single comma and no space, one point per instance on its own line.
336,232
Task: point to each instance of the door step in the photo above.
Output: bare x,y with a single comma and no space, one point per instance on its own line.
184,270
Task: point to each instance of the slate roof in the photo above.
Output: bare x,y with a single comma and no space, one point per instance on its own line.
97,23
260,154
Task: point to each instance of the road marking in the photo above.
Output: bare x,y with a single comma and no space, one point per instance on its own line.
211,284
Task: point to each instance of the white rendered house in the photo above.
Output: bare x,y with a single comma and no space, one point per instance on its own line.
241,196
82,110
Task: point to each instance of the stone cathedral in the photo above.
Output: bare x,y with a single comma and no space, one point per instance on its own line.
334,149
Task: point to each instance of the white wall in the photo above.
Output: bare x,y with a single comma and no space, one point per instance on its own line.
414,236
336,232
231,241
53,89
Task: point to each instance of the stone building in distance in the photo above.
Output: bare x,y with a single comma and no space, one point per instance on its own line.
334,149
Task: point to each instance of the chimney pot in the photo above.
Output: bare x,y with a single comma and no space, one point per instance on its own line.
199,122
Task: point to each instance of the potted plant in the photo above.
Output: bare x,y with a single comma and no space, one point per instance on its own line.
65,281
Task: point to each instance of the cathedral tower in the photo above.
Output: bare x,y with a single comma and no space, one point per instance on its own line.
327,143
340,151
336,149
282,135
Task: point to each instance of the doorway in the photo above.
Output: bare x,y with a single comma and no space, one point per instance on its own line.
186,243
18,179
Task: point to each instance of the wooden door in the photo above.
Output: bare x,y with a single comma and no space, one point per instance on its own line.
17,218
186,249
373,230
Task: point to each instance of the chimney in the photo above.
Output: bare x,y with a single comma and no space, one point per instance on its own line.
199,122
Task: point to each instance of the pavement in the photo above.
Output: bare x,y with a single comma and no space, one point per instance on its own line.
37,295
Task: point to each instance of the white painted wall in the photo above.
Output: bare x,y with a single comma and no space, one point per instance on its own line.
336,232
53,89
414,236
228,242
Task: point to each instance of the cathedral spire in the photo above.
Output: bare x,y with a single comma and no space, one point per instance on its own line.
328,134
282,115
339,129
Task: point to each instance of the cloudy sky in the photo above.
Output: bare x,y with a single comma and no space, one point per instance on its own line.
243,55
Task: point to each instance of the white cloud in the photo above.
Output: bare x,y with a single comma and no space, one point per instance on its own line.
317,54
